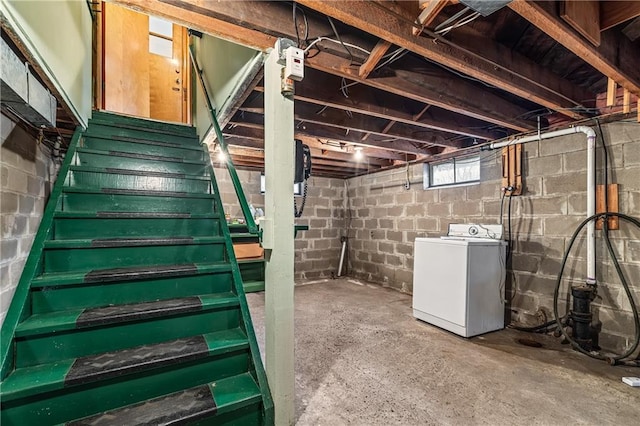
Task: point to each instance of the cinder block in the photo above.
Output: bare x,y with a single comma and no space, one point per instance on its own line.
426,196
317,223
561,225
427,224
385,247
633,251
391,260
545,246
394,236
439,209
405,224
629,178
565,184
385,223
525,262
322,244
562,144
386,199
466,208
631,154
543,166
545,206
8,249
577,204
621,132
415,210
490,172
574,161
406,197
404,248
17,181
453,194
396,211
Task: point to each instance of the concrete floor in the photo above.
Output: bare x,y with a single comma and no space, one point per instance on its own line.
362,359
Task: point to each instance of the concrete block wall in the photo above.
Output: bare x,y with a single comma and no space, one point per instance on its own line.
318,249
27,175
386,219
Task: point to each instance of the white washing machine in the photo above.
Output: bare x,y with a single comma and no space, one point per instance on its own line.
458,280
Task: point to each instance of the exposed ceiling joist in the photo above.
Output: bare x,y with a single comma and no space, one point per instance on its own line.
430,9
508,74
439,89
616,57
613,13
306,113
324,90
374,58
274,18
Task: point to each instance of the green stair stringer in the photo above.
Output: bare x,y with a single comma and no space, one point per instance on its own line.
104,319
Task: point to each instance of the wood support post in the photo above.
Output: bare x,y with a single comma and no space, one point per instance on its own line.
278,242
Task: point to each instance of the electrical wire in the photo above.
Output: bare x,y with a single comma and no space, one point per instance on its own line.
335,31
319,39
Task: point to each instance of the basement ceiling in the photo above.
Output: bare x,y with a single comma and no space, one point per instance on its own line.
420,80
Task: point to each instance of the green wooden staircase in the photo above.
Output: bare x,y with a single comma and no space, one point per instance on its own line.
131,309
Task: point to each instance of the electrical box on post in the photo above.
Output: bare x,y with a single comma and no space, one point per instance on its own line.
294,63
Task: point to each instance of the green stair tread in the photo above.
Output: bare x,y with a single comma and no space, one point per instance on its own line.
252,286
136,192
51,279
183,407
119,117
132,172
142,157
130,242
246,261
35,380
243,235
142,141
235,392
133,215
40,324
142,127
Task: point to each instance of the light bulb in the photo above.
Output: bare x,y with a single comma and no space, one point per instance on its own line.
358,153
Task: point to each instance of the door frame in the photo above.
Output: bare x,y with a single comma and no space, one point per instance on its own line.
98,61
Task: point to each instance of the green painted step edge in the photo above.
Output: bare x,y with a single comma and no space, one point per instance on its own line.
253,286
86,190
59,279
135,215
133,156
121,117
43,378
88,243
142,125
133,172
141,141
243,235
66,320
235,392
243,261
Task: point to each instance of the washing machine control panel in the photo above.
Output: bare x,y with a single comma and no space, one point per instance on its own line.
471,230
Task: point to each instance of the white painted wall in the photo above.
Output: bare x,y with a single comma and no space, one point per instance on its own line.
58,33
226,66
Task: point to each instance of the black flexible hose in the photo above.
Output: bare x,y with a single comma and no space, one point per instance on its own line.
614,358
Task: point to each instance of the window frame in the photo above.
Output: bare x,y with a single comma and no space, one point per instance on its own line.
428,173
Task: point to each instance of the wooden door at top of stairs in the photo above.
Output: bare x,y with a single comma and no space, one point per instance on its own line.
145,66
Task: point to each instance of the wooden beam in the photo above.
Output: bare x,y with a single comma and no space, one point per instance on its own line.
616,57
440,89
376,54
611,92
338,139
430,9
584,17
613,13
626,101
318,160
316,89
519,78
306,113
201,22
274,19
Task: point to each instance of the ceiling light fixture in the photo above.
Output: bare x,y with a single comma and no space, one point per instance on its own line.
357,154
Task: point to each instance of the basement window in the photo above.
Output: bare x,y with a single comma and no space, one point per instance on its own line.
457,171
